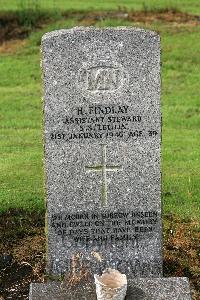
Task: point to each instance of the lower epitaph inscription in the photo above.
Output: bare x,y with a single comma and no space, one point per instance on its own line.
104,228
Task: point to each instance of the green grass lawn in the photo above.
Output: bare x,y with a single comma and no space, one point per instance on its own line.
181,122
21,177
191,6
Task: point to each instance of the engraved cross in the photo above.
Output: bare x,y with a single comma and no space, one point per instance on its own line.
103,168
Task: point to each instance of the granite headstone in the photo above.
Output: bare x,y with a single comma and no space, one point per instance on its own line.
102,133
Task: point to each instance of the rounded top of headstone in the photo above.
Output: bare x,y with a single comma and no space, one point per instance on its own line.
61,32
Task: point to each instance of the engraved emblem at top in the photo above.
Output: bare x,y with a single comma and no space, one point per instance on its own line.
102,78
102,72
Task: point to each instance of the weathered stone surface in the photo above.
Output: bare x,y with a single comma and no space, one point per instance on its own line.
138,289
102,150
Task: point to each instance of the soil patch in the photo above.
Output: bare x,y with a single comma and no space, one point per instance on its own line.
181,251
22,252
10,47
15,25
165,15
18,25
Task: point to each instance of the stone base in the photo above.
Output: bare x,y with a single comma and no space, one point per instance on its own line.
173,288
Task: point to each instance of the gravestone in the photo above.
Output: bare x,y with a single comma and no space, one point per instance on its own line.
102,136
102,150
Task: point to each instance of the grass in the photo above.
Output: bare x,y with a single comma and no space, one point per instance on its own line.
21,160
191,6
181,123
21,156
21,178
